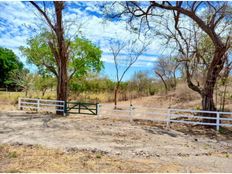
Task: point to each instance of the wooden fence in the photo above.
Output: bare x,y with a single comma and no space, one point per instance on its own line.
41,105
186,116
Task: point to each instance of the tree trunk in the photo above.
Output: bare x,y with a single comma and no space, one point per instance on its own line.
62,84
208,102
61,54
165,84
213,72
116,96
43,92
59,47
208,105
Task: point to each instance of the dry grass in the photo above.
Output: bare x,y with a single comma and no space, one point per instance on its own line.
182,97
102,97
92,97
183,93
9,100
28,158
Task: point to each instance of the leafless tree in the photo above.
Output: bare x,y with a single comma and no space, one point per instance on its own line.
23,79
133,50
166,69
212,18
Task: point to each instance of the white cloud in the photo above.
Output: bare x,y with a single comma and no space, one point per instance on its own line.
16,17
143,61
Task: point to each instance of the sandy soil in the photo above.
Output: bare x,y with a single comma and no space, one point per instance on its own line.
148,147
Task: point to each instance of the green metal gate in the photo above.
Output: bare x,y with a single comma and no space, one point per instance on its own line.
81,108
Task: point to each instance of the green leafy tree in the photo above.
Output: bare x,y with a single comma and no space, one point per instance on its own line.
8,63
84,57
43,83
91,83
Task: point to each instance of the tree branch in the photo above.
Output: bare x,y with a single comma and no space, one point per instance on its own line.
44,14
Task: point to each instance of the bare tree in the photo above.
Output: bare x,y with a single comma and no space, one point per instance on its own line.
212,18
23,79
134,49
166,69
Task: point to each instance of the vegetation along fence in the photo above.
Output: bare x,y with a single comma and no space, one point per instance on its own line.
194,117
41,105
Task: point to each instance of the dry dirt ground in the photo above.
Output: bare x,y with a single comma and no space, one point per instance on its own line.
81,143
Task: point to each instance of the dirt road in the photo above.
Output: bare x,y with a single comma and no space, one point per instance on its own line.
121,139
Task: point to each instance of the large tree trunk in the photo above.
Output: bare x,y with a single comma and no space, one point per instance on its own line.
62,84
61,55
213,73
208,105
207,92
208,102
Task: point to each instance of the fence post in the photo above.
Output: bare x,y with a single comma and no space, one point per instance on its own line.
97,109
130,113
19,104
65,108
168,118
38,107
218,121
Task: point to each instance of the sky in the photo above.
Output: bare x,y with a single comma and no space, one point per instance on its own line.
19,22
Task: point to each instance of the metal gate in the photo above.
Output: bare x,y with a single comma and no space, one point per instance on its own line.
82,108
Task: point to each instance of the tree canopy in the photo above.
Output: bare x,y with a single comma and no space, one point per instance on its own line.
8,63
84,56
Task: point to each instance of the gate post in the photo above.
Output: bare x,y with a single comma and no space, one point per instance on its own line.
79,108
65,108
98,109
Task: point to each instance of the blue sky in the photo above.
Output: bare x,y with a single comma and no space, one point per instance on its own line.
18,22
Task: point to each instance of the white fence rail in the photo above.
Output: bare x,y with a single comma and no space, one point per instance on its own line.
41,104
186,116
195,117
